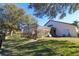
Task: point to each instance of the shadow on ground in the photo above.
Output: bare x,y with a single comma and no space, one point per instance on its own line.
43,48
39,48
5,52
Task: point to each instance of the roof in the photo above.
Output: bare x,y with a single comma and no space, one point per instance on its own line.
59,22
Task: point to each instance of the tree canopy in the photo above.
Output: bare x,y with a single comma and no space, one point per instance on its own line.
11,16
76,23
51,10
28,19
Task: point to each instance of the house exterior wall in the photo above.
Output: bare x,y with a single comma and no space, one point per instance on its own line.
63,29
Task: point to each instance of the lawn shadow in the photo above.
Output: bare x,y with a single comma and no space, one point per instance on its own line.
12,43
36,48
71,46
5,52
41,48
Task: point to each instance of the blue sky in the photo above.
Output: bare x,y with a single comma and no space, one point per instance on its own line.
41,21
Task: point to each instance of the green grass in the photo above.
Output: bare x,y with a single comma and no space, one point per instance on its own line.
41,47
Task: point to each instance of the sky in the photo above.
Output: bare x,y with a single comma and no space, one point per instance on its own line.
41,21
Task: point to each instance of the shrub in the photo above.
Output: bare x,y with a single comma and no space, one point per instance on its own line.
42,33
69,35
14,36
78,34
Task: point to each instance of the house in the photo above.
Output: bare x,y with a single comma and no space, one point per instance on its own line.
28,30
23,27
61,29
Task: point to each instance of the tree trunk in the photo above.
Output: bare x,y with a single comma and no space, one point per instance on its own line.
2,38
11,33
0,42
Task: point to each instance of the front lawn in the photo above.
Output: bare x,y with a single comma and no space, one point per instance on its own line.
41,47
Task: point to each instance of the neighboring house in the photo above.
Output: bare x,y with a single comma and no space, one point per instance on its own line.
61,28
23,27
31,28
29,31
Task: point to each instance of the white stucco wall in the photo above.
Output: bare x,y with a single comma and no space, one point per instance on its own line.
62,28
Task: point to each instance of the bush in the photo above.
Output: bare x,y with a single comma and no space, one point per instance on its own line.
78,34
14,36
29,35
42,33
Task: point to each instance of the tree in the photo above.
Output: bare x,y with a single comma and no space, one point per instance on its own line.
53,9
31,25
29,19
10,16
76,23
